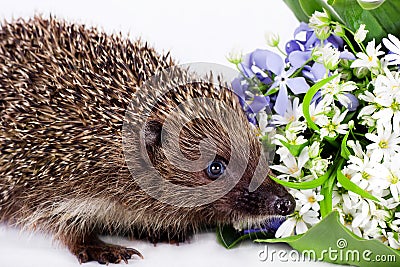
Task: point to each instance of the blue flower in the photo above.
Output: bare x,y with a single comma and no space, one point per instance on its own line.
300,51
252,103
270,226
269,61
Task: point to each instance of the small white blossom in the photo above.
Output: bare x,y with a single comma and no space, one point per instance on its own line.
318,166
235,56
366,172
327,55
292,166
369,60
298,223
272,39
360,34
385,142
293,113
389,177
319,111
332,128
337,91
320,23
314,149
353,217
309,199
393,44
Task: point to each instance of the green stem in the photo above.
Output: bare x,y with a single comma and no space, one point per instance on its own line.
281,51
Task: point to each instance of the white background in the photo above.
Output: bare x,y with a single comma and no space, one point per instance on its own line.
194,31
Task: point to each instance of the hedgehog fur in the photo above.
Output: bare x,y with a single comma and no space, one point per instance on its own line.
64,93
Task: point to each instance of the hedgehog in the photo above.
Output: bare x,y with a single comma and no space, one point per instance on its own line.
84,143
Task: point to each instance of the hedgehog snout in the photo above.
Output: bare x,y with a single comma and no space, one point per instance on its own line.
284,205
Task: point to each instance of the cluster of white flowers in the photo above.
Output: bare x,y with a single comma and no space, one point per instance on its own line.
373,166
345,127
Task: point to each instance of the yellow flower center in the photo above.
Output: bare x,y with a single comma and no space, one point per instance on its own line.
293,170
365,175
370,58
383,144
394,179
311,199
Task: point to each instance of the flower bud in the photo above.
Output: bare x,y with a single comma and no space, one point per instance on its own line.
360,34
360,72
338,30
272,39
314,150
235,56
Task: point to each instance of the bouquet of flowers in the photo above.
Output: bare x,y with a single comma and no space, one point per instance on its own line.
332,96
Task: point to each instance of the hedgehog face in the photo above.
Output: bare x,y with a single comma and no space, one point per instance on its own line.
221,152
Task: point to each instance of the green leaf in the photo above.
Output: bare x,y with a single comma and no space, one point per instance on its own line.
344,151
326,191
305,185
294,5
369,5
331,241
229,237
379,21
308,97
294,149
310,6
349,185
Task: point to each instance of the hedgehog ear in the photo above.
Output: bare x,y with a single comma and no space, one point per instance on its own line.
152,134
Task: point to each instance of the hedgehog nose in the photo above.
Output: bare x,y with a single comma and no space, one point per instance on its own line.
284,205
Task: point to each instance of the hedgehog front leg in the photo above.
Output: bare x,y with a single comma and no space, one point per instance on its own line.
91,248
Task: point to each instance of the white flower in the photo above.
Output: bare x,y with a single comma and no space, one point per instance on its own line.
296,127
320,23
367,112
264,124
327,55
333,127
360,34
385,142
235,56
318,166
336,91
393,44
340,195
353,217
314,149
389,174
290,138
387,91
318,112
390,239
292,165
365,173
293,113
338,30
308,199
369,60
381,216
272,39
297,223
356,147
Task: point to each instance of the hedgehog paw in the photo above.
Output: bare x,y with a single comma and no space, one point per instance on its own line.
103,253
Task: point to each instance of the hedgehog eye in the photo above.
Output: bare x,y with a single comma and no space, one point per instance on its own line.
215,169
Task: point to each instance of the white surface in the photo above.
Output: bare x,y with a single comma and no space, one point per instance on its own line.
194,31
